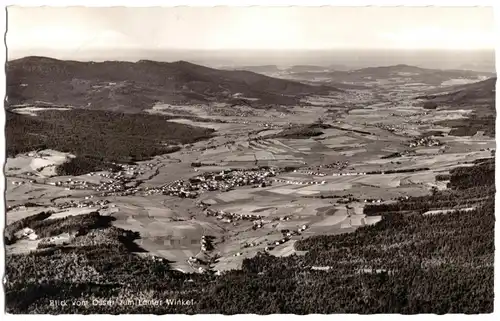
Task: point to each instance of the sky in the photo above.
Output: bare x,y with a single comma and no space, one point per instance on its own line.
71,29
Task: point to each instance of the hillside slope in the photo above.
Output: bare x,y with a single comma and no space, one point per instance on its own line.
132,87
98,137
478,97
410,73
259,69
482,92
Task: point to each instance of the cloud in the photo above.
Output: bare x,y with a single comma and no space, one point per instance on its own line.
55,37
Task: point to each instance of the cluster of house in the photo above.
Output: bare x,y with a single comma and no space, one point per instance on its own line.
114,186
424,141
313,173
409,115
349,174
287,235
71,184
418,122
390,128
372,201
18,183
127,171
206,243
219,181
87,203
268,125
121,191
229,217
110,188
118,180
251,244
336,165
277,180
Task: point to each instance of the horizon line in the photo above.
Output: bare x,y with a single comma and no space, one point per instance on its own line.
197,63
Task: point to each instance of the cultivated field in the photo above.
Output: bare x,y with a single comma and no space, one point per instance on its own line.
363,155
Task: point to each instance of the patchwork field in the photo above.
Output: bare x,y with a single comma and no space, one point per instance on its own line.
363,150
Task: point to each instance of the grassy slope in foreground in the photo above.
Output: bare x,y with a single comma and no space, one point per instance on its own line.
405,264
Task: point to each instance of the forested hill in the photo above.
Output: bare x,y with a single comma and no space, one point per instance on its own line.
132,87
477,97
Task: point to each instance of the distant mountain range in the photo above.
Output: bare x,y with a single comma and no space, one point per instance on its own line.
259,69
132,87
266,69
307,68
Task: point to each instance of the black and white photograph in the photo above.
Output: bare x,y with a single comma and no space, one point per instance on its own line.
259,160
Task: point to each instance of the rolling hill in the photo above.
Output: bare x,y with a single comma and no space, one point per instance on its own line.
259,69
406,72
98,137
133,87
478,97
307,68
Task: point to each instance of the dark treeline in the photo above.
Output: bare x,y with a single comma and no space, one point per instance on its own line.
394,171
300,132
441,200
392,155
442,177
107,136
468,186
84,164
470,126
483,174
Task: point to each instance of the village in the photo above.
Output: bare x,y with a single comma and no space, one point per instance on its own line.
219,181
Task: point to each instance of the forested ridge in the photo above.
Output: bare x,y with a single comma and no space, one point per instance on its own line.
98,138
